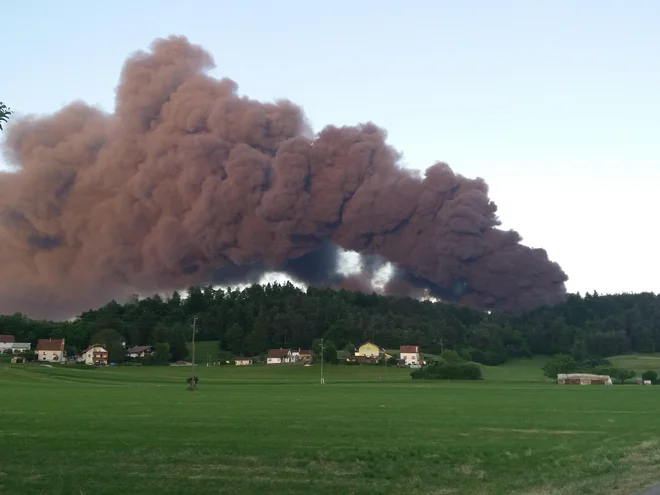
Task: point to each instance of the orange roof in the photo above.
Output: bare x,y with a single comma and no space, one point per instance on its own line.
50,345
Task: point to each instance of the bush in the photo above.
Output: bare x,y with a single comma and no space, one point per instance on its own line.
650,375
189,379
448,371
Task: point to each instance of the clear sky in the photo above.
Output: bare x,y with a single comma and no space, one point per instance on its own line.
555,103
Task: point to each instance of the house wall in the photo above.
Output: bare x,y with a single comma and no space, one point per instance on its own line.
5,345
24,347
410,357
50,356
369,350
273,361
96,355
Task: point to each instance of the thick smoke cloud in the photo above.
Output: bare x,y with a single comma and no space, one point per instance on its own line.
187,182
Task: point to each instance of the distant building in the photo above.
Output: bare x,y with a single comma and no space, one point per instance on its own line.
140,351
278,356
6,342
50,350
410,354
305,355
242,361
95,354
583,379
369,350
20,347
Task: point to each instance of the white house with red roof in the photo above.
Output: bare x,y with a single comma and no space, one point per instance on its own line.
279,356
410,354
95,354
51,350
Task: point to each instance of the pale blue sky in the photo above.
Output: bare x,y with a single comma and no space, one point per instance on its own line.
555,103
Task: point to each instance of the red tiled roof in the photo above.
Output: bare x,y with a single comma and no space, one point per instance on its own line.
5,339
305,352
278,353
50,345
409,348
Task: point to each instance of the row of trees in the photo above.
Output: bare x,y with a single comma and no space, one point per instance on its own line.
250,321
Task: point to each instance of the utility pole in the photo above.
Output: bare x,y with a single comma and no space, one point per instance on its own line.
322,380
193,385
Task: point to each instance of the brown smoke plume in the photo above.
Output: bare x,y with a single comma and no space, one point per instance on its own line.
186,183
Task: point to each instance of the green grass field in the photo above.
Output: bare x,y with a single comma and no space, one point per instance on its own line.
275,429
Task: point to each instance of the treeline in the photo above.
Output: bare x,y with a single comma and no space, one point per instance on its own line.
248,322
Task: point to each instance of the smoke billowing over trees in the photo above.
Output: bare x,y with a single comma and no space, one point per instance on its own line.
187,183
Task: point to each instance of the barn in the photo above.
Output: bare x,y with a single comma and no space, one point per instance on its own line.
583,379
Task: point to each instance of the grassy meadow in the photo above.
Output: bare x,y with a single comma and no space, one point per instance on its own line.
276,429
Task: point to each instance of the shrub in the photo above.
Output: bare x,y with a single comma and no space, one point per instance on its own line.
448,371
189,379
650,375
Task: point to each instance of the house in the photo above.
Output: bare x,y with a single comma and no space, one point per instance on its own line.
305,355
278,356
50,350
369,350
242,361
20,347
6,341
410,354
295,355
95,354
9,346
583,379
139,351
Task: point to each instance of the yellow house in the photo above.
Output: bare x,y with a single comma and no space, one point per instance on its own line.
369,349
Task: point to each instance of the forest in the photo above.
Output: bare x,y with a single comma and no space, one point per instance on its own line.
250,321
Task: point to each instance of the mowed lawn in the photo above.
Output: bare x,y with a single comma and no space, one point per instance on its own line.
276,429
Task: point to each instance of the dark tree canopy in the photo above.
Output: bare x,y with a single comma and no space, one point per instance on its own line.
251,321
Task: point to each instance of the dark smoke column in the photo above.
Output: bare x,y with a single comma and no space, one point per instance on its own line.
186,182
